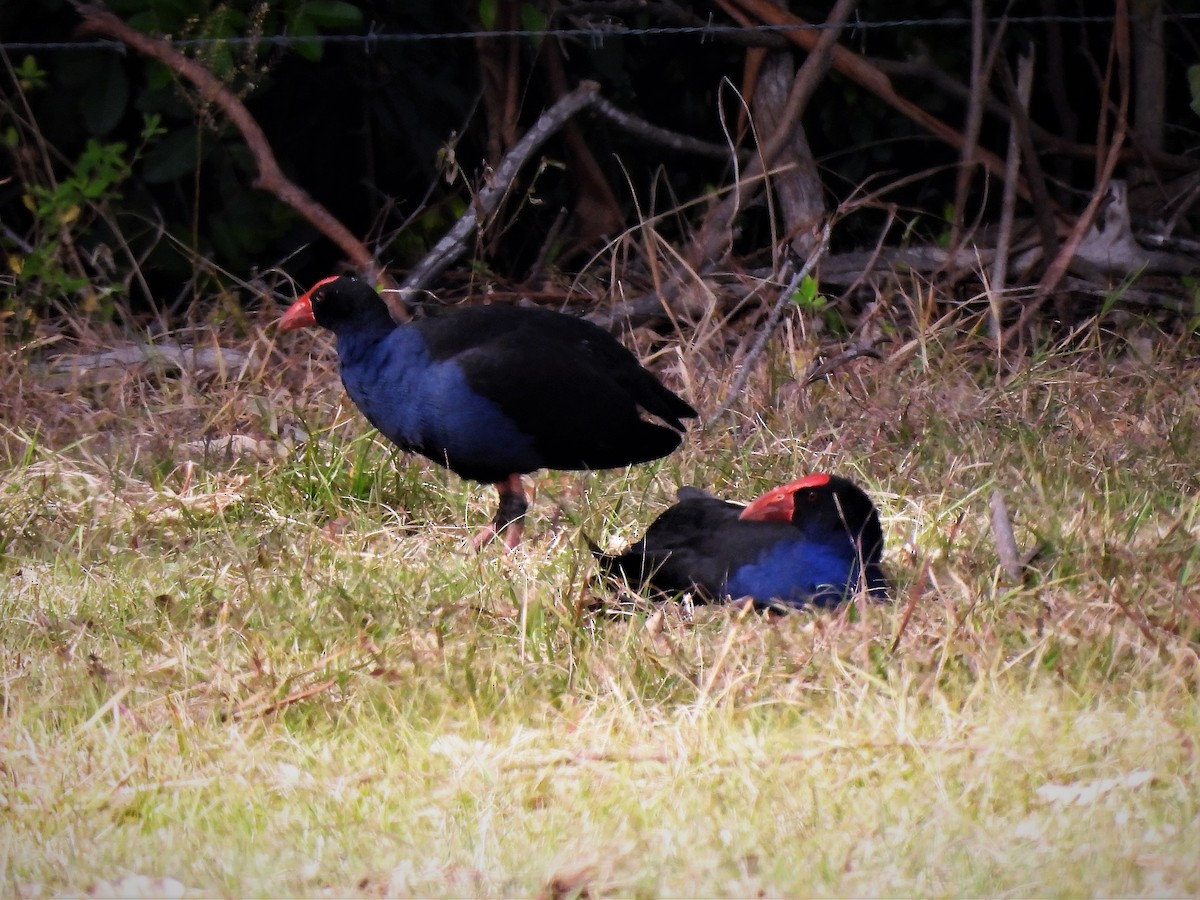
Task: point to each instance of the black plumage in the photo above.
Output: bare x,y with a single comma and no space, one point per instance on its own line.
494,392
814,541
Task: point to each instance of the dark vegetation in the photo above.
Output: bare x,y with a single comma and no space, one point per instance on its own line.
129,190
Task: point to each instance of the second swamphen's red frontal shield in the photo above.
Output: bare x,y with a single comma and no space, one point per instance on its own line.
493,392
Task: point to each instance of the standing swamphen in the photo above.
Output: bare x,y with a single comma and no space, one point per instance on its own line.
493,392
812,541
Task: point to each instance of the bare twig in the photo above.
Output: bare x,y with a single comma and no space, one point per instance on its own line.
1058,268
656,134
920,67
294,697
980,74
714,235
1009,203
808,754
855,350
97,20
1043,205
859,70
768,329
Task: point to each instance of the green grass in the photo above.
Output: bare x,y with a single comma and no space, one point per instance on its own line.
288,675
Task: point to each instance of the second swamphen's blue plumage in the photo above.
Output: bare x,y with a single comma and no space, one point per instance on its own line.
817,540
492,392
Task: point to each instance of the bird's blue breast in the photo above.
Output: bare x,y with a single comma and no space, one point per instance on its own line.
798,573
428,407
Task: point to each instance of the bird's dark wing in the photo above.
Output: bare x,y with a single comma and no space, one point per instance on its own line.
687,492
680,551
580,410
550,344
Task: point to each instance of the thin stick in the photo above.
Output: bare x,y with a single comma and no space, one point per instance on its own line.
454,243
656,134
980,73
295,697
713,237
1058,268
867,75
856,350
1008,204
769,327
1002,534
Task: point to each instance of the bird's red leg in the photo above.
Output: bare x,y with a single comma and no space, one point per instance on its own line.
510,515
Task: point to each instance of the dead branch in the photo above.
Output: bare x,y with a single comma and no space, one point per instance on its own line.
1022,125
97,20
859,70
856,349
920,67
454,243
1058,267
1008,203
656,134
713,236
981,71
768,329
795,185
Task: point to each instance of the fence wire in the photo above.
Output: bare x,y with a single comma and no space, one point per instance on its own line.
595,33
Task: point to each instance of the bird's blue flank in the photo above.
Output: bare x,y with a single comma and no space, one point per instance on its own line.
798,572
428,406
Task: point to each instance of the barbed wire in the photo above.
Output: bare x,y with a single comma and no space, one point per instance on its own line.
597,33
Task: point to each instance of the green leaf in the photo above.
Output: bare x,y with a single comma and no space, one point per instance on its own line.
30,75
302,26
1193,77
332,13
487,14
159,77
152,127
533,18
807,295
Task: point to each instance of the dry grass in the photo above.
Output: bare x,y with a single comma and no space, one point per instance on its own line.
277,669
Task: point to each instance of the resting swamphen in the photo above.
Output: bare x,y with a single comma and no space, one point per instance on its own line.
812,541
493,392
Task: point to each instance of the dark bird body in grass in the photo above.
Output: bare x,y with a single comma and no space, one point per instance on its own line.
493,392
815,541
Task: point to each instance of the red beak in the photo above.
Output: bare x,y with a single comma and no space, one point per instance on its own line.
778,504
300,313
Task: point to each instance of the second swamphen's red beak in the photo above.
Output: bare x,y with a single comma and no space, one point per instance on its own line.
779,504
